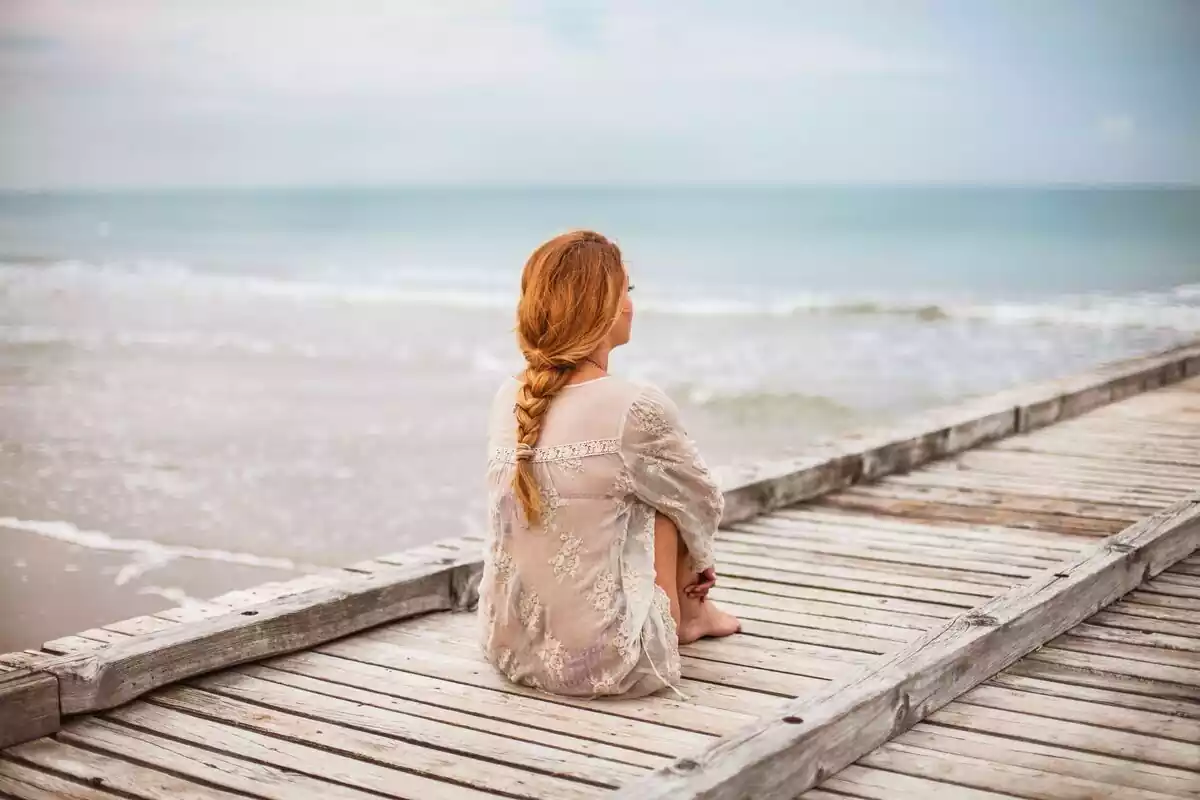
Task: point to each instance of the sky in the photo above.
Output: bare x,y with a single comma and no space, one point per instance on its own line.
165,93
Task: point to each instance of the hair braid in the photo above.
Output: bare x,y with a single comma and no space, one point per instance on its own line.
570,295
540,386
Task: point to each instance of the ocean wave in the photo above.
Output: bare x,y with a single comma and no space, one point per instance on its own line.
146,555
1174,309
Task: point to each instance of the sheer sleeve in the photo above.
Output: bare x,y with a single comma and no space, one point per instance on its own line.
666,472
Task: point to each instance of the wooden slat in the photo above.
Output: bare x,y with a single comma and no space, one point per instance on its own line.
920,613
1043,704
980,535
204,764
476,672
1080,671
1080,736
361,711
876,784
362,745
105,771
980,773
286,753
1058,685
29,783
472,719
1120,773
812,738
621,738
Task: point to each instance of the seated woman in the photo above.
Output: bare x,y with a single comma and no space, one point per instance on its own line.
602,513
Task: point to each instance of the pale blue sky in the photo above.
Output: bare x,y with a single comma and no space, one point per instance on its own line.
254,92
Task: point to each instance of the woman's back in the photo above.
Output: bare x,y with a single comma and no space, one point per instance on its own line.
569,604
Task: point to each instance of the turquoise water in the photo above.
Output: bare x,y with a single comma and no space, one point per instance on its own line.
200,384
1011,243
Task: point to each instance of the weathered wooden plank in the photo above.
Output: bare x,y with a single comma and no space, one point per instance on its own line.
1111,620
1098,678
203,764
359,743
749,539
474,671
1149,655
1171,681
124,670
104,771
1042,704
1080,736
859,590
1059,686
922,613
28,706
980,773
1010,502
373,774
584,728
1051,758
840,519
813,738
990,515
817,567
847,634
1157,640
29,783
877,784
364,712
627,759
1071,491
878,622
997,548
708,684
1136,609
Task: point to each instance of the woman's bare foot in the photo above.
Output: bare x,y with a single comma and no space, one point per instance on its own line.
704,619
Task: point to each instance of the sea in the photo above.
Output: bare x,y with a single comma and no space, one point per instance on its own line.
203,390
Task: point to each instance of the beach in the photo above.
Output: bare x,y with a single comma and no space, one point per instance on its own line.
205,392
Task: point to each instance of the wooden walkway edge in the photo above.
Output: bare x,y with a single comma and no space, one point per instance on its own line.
782,754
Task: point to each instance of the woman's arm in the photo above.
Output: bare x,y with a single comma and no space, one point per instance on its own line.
668,473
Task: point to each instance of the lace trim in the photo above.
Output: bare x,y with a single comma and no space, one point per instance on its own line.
562,452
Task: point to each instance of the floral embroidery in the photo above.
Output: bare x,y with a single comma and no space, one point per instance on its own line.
530,610
551,502
603,591
554,657
649,417
566,560
502,562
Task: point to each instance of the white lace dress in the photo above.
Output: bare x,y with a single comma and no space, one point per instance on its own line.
570,606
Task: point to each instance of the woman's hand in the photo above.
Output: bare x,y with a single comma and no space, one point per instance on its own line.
705,581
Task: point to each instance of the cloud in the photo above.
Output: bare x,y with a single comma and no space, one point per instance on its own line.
1116,128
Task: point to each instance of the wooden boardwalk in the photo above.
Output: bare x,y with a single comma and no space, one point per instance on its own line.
873,596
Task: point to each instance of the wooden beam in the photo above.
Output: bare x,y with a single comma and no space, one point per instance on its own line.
814,738
922,438
28,706
109,676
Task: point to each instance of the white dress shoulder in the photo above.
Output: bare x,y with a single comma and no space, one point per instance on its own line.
570,606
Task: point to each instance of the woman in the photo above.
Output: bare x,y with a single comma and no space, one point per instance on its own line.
602,513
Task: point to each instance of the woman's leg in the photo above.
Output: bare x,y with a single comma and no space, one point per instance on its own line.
673,572
667,547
